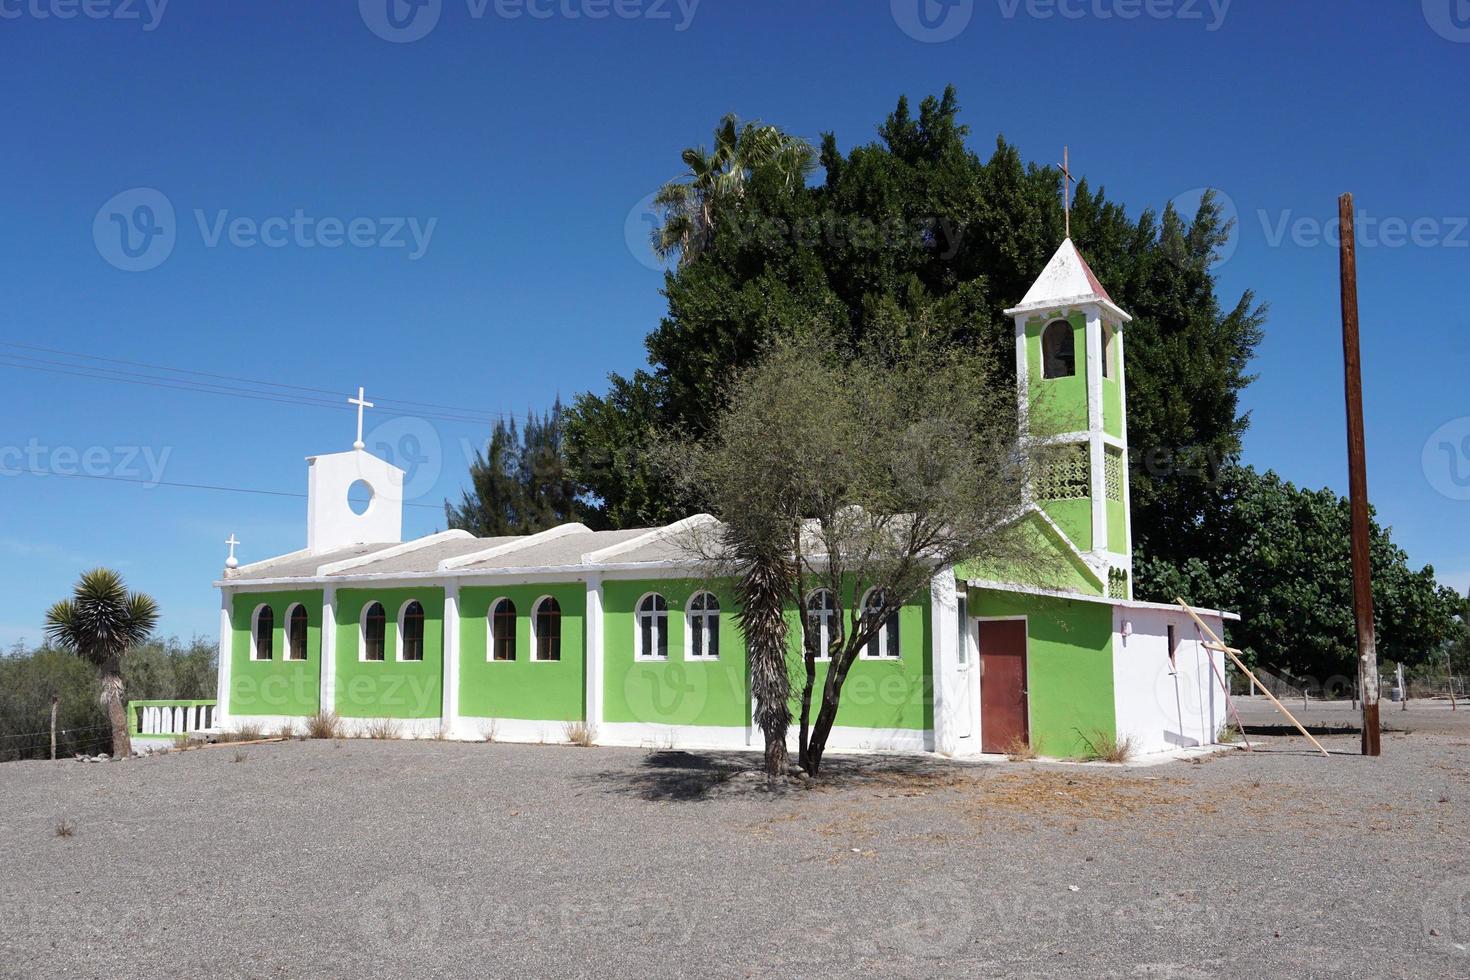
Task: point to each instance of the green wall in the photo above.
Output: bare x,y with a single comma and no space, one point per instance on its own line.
1074,517
1057,565
1057,404
676,691
1069,666
1112,404
277,686
1117,527
389,688
523,688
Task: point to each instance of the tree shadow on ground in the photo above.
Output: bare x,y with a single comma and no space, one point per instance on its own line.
675,775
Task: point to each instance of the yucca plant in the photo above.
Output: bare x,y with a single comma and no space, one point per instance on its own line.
101,623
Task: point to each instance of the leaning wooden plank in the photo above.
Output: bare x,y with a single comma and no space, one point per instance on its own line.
1231,652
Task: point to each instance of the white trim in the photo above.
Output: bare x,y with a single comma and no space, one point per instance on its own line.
535,637
490,637
1070,302
1095,453
226,653
449,711
655,633
362,632
328,689
824,633
690,615
407,548
993,586
946,673
398,638
255,633
306,650
509,547
595,653
656,534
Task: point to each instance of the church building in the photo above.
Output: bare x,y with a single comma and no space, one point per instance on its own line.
616,636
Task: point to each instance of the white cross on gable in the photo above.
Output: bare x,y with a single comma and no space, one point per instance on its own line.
232,561
361,402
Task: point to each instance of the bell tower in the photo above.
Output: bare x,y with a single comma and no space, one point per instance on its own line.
1069,371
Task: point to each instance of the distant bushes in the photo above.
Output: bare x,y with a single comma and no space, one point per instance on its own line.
160,669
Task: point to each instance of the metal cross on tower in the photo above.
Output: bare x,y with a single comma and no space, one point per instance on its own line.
1067,181
361,402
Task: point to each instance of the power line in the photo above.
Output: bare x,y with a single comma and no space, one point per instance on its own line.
186,486
284,395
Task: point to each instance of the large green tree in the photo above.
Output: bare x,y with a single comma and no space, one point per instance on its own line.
915,239
519,484
1278,554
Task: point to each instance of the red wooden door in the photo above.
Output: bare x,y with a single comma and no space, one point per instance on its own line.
1003,708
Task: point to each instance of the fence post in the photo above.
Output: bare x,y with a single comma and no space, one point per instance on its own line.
53,727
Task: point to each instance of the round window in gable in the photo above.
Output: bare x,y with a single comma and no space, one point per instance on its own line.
360,497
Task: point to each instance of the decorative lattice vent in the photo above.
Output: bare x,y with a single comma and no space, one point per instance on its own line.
1113,474
1117,583
1065,476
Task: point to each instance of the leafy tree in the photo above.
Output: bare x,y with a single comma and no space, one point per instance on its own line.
915,240
1278,554
519,484
860,476
102,623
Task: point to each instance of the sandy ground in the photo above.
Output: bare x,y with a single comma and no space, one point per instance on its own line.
369,859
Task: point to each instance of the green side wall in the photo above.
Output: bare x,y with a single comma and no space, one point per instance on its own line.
389,689
1061,567
523,688
276,686
1074,517
1057,404
1117,527
1069,667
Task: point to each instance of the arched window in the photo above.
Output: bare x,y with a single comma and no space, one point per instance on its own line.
653,628
1108,360
1058,350
374,630
296,626
263,630
503,630
704,627
411,630
546,624
821,618
883,644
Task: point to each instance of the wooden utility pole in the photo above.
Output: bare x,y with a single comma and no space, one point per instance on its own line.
1358,481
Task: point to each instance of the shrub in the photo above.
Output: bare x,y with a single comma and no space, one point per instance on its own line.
490,730
581,733
383,728
1105,747
64,827
324,724
1020,750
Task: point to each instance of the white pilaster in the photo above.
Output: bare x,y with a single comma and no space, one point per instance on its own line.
329,649
1095,431
1127,462
450,711
944,628
594,650
226,643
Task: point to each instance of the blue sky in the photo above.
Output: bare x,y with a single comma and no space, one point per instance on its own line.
482,182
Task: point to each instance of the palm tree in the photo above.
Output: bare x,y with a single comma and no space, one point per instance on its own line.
102,622
688,204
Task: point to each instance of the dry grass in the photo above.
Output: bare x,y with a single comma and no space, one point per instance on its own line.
490,730
64,827
1228,735
239,756
287,730
245,733
441,734
324,724
1108,747
1020,750
581,733
1065,796
383,729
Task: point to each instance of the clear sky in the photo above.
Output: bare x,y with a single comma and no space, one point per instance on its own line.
446,220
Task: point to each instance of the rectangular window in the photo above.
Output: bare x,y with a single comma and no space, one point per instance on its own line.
964,624
1173,647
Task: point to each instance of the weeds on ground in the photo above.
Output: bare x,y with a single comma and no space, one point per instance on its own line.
1020,750
64,827
324,724
245,733
182,743
490,730
239,756
581,733
383,728
1227,735
1106,747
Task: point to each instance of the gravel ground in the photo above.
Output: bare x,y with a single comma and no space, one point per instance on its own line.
368,859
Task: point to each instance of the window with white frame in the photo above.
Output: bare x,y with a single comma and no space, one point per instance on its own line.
297,624
653,628
883,644
411,631
821,618
963,604
262,634
546,630
374,631
704,627
503,630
